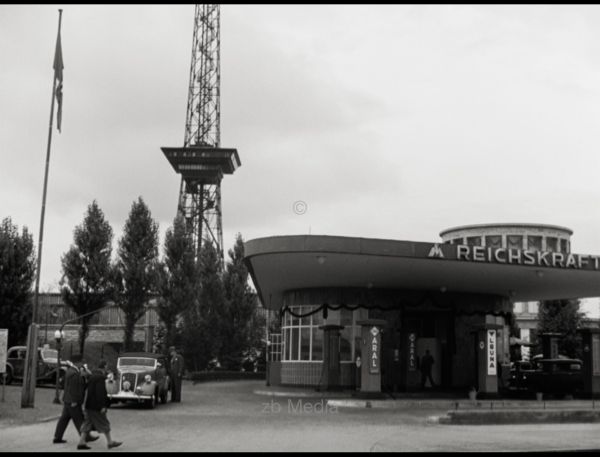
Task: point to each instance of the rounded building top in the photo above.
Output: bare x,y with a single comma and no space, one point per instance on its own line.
506,226
533,237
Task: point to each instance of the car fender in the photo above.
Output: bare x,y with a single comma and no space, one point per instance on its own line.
147,388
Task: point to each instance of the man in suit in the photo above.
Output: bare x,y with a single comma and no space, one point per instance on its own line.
426,366
176,364
74,389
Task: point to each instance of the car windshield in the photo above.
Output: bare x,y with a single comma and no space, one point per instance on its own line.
137,361
49,354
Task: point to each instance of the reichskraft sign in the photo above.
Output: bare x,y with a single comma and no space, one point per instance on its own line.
518,257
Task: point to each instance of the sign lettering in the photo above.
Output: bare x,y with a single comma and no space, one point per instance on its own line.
596,354
374,349
412,352
3,349
518,257
491,358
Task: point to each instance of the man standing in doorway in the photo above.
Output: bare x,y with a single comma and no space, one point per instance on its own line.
426,365
176,364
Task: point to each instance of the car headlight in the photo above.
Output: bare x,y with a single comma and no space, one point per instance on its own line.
147,378
110,377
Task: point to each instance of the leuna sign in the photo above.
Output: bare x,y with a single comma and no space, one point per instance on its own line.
491,353
519,257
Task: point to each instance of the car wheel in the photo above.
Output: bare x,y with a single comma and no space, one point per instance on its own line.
152,402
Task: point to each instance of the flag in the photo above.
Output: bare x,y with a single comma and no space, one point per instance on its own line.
58,79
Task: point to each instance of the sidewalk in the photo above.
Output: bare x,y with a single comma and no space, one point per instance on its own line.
11,412
304,392
449,410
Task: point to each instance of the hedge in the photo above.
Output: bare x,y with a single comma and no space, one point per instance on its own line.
205,376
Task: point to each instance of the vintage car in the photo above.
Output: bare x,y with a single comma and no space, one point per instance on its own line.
557,377
141,377
46,365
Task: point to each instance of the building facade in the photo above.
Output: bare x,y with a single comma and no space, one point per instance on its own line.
453,299
106,327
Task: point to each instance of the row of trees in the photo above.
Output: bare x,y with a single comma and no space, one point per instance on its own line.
211,312
564,317
555,316
17,273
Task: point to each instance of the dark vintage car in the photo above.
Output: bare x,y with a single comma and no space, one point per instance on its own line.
557,377
141,377
46,365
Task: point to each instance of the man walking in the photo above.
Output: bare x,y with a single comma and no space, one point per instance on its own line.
176,364
96,405
74,389
426,365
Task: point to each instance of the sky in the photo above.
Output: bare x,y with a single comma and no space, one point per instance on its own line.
387,121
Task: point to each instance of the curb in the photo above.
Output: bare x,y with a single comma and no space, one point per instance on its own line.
315,394
350,403
520,416
48,419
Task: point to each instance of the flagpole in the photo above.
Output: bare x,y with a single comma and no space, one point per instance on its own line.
41,236
29,376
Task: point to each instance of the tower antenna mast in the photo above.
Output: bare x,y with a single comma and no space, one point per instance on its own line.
201,161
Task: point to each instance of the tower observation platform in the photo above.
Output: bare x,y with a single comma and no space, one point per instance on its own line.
202,164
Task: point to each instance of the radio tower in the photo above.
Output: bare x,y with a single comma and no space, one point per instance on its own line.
201,161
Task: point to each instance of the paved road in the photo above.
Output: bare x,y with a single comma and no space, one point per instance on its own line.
228,416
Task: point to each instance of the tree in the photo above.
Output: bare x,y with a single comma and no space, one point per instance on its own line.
136,269
17,271
86,284
560,316
201,331
179,278
241,326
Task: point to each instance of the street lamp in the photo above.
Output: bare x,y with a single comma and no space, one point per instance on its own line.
59,336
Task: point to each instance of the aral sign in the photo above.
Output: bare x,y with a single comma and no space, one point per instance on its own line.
374,350
519,257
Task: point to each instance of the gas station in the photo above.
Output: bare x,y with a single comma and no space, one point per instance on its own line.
360,313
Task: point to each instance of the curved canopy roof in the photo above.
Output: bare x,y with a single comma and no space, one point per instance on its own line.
282,263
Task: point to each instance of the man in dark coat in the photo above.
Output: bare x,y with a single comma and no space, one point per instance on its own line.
96,405
177,366
426,365
74,389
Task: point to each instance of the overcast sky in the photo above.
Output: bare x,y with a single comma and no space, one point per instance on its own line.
387,121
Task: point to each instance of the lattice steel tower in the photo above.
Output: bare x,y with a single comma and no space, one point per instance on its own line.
201,161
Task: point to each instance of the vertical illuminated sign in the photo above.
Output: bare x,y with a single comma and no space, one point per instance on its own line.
595,354
491,350
3,349
412,352
374,350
